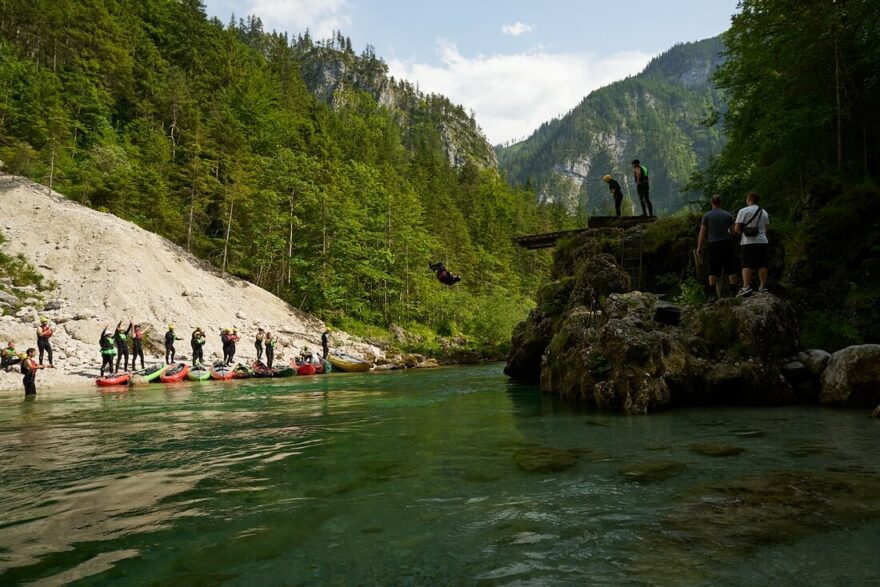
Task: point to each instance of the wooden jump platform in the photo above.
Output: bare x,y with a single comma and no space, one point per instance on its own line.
549,239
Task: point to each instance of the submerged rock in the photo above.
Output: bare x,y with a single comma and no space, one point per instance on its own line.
876,413
717,450
726,522
544,459
852,377
653,471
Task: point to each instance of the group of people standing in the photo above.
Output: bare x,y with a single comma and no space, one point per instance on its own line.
643,189
718,230
27,361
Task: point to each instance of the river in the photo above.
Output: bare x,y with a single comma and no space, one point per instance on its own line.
448,476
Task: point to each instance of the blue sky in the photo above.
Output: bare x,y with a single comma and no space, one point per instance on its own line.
514,63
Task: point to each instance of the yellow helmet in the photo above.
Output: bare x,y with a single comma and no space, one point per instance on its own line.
606,179
43,319
171,327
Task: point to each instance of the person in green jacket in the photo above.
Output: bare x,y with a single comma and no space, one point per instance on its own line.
108,351
9,356
120,337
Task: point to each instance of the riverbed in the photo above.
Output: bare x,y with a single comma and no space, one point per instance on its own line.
429,477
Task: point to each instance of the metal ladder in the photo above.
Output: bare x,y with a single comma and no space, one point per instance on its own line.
631,257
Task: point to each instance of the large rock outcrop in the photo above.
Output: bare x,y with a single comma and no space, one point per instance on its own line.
852,377
640,354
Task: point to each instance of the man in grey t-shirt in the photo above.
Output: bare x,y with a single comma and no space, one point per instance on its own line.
717,228
755,248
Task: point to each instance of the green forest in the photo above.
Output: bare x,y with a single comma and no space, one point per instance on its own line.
803,130
208,134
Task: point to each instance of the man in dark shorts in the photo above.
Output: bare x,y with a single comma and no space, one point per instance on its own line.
752,222
616,192
717,228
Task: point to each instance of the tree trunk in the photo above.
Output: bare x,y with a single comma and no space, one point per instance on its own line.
290,240
51,170
228,230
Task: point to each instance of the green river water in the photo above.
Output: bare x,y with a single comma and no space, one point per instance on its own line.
449,476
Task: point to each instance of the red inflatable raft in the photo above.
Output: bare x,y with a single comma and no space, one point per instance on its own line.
111,380
174,373
305,369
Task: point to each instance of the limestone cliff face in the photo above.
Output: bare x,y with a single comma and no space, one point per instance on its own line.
657,116
329,72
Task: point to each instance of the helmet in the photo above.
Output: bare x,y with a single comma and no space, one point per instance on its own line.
171,327
606,179
305,348
235,330
43,319
226,330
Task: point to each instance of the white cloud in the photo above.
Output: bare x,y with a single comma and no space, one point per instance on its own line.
512,94
516,29
321,17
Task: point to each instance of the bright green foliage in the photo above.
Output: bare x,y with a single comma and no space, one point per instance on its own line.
657,116
222,139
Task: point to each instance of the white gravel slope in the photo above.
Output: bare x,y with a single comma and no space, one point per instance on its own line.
107,269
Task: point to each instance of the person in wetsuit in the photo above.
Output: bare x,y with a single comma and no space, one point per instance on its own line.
224,341
108,351
44,333
137,346
29,368
325,344
616,192
197,342
170,337
443,275
9,356
270,349
120,337
233,338
258,343
640,173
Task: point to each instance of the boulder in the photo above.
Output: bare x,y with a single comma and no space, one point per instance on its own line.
53,305
876,413
852,377
8,298
815,360
529,341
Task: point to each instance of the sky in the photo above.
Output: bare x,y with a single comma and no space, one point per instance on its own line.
514,63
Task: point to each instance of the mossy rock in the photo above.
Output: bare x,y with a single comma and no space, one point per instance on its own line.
544,459
717,450
652,471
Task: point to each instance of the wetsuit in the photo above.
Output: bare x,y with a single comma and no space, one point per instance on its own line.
8,358
198,348
29,370
44,333
108,351
258,344
137,348
120,337
615,190
169,347
444,276
643,188
270,351
224,338
325,344
233,338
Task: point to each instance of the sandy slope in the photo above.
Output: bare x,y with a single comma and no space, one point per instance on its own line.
107,269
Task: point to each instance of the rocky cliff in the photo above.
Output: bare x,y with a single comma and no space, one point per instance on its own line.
637,353
329,71
656,116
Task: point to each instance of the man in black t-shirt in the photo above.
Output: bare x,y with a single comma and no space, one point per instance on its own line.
716,227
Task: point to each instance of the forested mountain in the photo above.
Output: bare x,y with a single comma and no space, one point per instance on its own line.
334,194
657,116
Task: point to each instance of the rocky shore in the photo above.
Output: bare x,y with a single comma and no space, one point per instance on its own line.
640,353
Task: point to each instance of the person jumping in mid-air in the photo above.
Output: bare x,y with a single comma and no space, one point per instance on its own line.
443,275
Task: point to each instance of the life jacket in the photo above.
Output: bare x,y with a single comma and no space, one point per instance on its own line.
8,353
45,332
270,342
138,335
644,176
25,367
169,338
120,337
107,346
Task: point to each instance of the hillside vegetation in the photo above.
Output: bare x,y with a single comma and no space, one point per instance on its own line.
207,134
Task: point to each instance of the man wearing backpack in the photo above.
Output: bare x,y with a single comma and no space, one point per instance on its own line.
640,173
752,222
